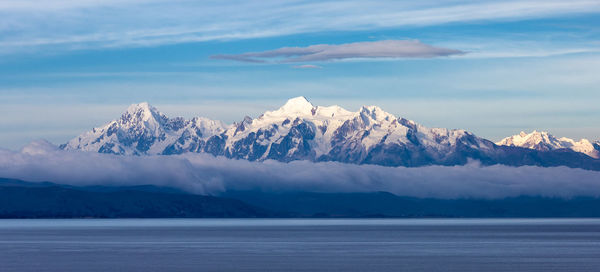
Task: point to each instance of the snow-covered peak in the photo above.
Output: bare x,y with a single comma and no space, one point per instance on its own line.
142,112
142,129
334,111
531,140
139,106
293,108
300,107
143,107
376,113
297,105
544,141
583,146
209,125
143,116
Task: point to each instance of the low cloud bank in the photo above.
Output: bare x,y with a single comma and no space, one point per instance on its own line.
205,174
329,52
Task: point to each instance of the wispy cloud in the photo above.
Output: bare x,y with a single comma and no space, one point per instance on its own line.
241,57
328,52
307,66
201,173
99,24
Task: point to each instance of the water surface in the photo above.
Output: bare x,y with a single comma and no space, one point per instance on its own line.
300,245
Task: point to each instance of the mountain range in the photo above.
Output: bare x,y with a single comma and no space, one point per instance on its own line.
543,141
301,131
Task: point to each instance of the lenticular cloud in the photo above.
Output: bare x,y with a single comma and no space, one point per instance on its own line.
205,174
329,52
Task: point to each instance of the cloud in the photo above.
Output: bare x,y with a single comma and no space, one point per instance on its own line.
328,52
205,174
307,66
241,58
72,25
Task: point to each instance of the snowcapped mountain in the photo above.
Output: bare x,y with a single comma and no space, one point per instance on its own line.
301,131
543,141
297,130
142,129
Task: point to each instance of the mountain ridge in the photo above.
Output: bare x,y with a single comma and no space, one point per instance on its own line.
544,141
301,131
22,199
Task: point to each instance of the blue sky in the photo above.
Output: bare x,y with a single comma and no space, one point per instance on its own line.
68,66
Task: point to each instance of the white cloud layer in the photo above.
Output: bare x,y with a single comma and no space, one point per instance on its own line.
205,174
329,52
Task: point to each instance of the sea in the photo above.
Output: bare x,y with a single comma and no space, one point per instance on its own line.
300,245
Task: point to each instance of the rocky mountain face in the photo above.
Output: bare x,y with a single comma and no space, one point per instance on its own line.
543,141
301,131
142,129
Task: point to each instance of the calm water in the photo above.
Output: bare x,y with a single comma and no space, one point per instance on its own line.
300,245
